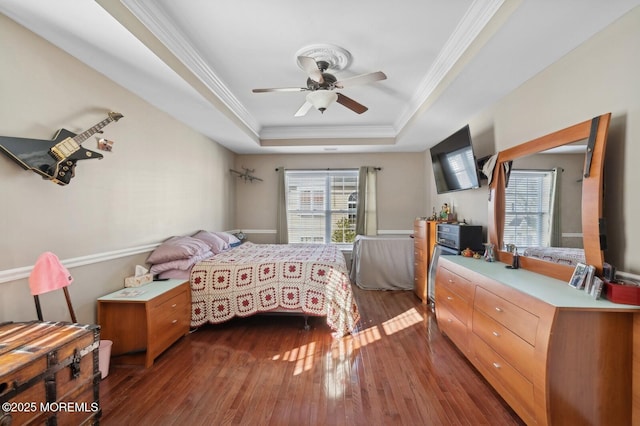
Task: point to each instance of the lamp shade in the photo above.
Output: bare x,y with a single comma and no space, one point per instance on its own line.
321,99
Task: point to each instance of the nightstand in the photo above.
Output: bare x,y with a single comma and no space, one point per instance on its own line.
144,321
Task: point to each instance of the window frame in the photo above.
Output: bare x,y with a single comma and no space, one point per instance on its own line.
327,191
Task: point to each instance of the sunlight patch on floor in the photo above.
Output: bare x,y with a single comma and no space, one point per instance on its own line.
303,356
366,336
342,350
402,321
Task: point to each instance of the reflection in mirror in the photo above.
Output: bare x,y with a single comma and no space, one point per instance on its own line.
543,203
587,169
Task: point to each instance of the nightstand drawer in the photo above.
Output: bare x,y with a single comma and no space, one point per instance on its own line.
168,307
170,312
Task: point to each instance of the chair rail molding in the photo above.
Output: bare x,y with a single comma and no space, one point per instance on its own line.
24,271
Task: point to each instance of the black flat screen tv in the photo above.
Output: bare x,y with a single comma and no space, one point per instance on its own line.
454,165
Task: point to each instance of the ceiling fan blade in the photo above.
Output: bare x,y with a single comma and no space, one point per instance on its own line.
281,89
361,79
310,66
351,104
304,109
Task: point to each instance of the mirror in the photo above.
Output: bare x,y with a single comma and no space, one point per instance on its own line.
522,213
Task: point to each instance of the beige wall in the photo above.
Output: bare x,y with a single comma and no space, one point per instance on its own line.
599,76
400,193
152,185
161,179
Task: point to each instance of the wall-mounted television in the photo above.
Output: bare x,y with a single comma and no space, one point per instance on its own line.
454,164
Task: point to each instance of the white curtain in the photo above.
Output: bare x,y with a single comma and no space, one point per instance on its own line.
282,231
555,233
366,215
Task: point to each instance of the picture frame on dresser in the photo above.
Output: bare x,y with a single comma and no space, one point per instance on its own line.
579,276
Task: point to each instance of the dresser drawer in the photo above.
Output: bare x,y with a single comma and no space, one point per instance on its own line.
511,347
450,325
455,303
521,322
455,282
512,386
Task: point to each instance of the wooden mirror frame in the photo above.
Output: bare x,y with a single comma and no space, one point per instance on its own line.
595,131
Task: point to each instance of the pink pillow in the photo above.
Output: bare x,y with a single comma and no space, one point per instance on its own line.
216,243
182,264
227,237
177,248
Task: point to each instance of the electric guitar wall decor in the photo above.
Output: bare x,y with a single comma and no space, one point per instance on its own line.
56,159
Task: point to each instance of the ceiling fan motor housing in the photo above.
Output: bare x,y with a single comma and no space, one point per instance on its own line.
329,82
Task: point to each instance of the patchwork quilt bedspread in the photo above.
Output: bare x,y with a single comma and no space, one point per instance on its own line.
254,278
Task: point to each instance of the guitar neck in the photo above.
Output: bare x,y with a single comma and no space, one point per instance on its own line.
81,137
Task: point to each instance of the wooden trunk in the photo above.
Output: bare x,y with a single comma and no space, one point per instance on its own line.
49,373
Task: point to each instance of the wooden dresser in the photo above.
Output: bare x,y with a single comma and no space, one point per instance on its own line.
424,234
144,321
554,354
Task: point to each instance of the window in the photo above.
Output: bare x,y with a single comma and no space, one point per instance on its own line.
321,205
528,208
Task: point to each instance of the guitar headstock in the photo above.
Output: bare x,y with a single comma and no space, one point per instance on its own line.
115,116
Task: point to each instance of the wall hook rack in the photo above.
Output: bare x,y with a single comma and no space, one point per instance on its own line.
246,174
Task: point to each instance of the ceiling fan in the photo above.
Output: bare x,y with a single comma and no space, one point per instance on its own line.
322,84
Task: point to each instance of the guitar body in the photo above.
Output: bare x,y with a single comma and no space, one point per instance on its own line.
36,155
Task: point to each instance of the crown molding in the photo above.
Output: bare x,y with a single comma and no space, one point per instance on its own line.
469,28
477,17
322,132
152,16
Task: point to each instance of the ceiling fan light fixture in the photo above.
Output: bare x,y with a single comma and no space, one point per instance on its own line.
321,99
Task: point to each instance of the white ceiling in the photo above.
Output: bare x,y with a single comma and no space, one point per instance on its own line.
198,60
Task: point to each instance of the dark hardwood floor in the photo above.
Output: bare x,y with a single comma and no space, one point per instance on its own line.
398,369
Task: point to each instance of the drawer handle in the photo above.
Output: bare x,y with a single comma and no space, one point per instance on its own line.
449,298
450,280
498,309
495,333
174,321
174,305
449,320
496,365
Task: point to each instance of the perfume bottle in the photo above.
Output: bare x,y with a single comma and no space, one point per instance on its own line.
489,253
515,262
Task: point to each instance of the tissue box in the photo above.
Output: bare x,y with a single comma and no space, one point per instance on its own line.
138,281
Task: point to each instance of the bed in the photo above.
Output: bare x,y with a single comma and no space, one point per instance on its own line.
230,280
310,279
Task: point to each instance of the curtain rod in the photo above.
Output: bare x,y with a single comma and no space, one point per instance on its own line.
321,170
